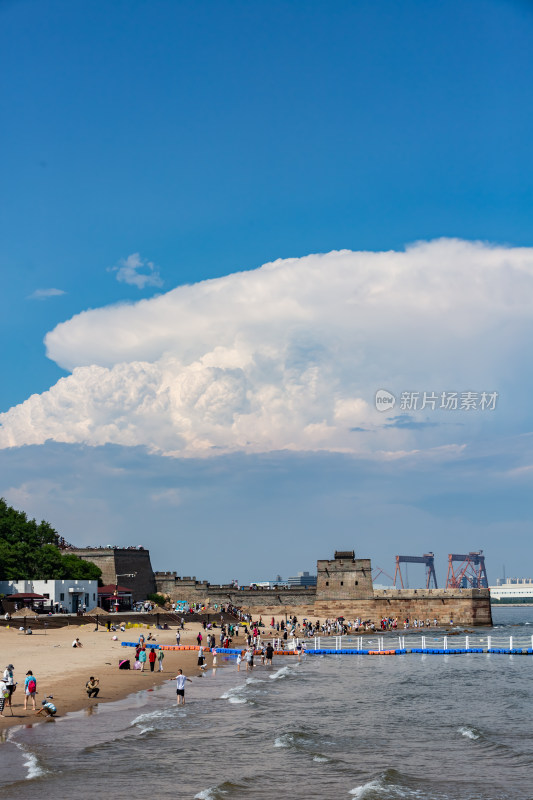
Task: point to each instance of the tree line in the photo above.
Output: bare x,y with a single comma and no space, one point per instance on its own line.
30,550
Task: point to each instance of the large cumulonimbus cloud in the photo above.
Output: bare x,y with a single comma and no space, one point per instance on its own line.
288,356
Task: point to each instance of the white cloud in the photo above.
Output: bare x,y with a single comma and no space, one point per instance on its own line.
289,356
172,497
137,272
43,294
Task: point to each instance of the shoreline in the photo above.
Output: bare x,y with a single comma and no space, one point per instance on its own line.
62,671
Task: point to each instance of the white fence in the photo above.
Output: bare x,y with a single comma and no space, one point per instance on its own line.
372,642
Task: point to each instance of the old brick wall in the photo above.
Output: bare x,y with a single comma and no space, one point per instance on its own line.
338,594
464,607
117,561
344,579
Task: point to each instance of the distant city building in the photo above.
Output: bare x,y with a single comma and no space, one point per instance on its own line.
509,589
302,579
278,581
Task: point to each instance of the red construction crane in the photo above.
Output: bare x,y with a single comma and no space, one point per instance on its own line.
380,571
471,571
428,559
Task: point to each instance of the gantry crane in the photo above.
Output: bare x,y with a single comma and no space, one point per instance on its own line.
471,571
428,559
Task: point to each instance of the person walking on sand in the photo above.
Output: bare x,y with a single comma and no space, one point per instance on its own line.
152,659
30,689
180,687
142,658
178,637
160,657
199,638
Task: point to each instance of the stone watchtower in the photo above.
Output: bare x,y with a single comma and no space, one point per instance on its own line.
119,561
344,578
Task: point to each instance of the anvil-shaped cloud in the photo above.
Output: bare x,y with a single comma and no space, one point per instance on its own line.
288,356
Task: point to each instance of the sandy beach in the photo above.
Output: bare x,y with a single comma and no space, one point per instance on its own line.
62,670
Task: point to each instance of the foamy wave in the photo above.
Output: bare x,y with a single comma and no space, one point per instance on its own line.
366,789
469,733
214,792
381,787
281,673
254,680
234,695
35,770
152,716
320,759
285,740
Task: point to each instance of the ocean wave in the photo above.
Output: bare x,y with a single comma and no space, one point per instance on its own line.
35,769
386,787
217,792
304,742
283,672
469,733
234,695
152,716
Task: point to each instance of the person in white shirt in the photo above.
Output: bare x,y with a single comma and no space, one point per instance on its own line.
180,687
4,694
9,681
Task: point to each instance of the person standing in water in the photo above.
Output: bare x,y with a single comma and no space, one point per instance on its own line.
181,680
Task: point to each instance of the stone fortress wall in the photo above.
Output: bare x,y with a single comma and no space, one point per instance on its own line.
120,561
344,588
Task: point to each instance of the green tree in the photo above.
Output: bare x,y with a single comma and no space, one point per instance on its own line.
30,550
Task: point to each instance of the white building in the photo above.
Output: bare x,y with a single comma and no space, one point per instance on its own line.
509,589
67,594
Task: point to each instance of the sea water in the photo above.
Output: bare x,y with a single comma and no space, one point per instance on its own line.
370,727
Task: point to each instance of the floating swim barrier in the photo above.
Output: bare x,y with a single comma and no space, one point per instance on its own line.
428,651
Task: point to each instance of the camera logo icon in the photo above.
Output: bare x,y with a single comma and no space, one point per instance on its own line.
384,400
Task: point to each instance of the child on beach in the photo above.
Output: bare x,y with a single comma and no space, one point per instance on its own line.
48,708
30,689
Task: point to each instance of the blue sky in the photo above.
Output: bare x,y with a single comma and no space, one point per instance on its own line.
183,142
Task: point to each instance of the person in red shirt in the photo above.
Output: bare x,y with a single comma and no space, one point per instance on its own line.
152,658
